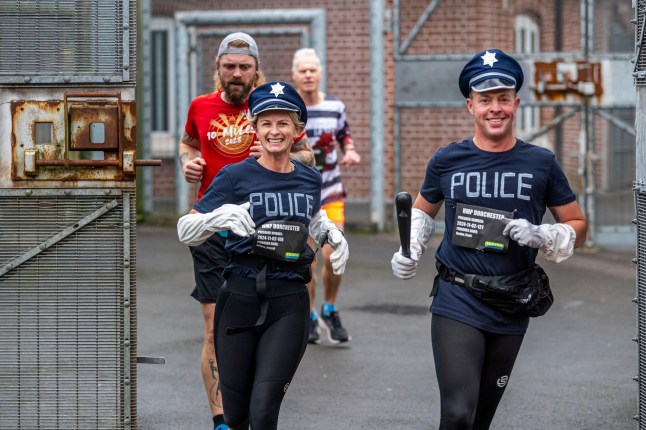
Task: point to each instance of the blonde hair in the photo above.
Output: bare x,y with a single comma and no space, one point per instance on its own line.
305,53
260,76
300,125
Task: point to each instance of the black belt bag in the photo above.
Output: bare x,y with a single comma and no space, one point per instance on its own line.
523,293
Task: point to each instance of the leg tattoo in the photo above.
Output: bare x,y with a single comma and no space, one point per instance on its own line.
215,388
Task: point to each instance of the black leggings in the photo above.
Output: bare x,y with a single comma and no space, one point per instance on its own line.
257,366
473,368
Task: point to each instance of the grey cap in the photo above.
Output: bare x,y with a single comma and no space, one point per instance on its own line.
252,50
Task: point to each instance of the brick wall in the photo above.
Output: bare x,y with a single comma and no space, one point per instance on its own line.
348,63
455,27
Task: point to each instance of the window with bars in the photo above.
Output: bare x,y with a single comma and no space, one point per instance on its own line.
527,42
162,109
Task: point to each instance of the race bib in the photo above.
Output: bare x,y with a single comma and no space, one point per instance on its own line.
280,240
480,228
319,158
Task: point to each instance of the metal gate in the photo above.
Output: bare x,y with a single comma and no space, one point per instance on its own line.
68,338
67,309
640,206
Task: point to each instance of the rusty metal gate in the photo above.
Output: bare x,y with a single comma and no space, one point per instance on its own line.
68,337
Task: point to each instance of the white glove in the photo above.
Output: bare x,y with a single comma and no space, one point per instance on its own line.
341,252
559,242
320,224
556,241
422,227
321,228
525,233
404,267
193,229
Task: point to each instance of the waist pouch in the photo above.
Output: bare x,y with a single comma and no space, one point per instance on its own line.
523,293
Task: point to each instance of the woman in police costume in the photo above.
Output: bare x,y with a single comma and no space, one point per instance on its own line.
269,205
494,188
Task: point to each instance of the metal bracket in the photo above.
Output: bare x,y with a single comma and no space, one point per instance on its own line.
151,360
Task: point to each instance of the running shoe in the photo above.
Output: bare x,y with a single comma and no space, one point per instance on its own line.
315,332
332,326
222,427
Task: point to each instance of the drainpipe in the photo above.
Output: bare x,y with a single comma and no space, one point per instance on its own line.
377,121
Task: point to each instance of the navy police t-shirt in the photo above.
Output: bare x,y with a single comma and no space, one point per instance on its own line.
294,196
525,180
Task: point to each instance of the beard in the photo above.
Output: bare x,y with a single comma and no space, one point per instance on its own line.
235,94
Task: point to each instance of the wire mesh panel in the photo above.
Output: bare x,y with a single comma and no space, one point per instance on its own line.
640,43
640,203
69,41
67,310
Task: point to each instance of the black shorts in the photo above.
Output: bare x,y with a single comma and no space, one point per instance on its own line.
209,261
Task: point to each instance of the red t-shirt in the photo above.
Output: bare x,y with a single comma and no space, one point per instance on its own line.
224,133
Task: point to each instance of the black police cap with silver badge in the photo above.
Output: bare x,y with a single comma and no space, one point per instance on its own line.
277,96
490,70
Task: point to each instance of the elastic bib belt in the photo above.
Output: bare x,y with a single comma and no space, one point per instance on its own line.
262,264
261,290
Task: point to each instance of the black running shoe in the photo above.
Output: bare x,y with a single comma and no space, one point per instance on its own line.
315,332
335,331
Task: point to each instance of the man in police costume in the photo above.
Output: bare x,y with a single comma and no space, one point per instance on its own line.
495,189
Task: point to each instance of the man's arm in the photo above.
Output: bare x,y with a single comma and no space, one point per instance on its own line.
302,151
350,155
431,209
190,158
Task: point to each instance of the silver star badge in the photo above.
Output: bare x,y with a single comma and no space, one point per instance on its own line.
489,58
277,89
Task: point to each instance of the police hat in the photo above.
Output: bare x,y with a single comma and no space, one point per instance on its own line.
277,96
490,70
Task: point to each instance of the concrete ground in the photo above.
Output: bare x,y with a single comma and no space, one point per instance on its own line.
575,369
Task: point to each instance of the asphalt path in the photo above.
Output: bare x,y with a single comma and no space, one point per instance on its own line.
575,369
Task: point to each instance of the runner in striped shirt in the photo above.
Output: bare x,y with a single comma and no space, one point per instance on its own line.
326,127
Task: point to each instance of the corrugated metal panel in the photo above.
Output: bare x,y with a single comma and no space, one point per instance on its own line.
68,314
67,41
